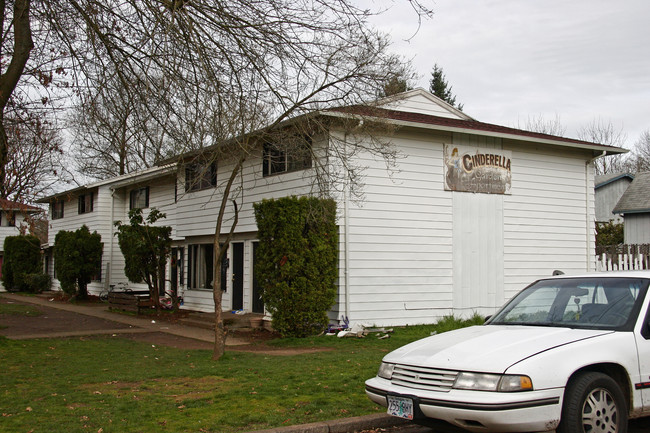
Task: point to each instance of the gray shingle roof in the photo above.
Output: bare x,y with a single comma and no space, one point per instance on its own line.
636,198
604,179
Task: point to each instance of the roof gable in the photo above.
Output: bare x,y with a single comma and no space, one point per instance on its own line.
422,102
636,198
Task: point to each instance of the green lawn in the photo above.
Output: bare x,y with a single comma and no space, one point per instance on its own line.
116,385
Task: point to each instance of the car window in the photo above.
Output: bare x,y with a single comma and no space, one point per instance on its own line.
576,302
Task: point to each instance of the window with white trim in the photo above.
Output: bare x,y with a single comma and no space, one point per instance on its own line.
139,198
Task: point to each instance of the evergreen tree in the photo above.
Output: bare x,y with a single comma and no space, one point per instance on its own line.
439,86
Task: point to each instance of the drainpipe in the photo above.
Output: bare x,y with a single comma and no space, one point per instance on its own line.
346,239
109,265
588,221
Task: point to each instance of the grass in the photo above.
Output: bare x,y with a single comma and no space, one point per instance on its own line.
109,384
19,310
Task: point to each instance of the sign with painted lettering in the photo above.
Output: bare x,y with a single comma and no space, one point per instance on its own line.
473,169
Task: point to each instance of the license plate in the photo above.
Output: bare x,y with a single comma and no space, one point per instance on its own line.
400,407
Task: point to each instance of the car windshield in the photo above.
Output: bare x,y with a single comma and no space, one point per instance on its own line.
601,303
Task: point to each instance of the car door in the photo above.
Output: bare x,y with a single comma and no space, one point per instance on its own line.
641,383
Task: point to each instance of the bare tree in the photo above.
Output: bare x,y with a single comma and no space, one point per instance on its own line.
34,148
220,76
543,125
602,132
114,132
640,158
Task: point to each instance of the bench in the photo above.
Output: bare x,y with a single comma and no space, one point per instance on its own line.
129,301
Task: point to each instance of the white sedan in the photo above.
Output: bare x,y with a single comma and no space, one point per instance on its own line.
570,354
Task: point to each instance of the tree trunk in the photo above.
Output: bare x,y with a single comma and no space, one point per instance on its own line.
219,329
23,45
219,255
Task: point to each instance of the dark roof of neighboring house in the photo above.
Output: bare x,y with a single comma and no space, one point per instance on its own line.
606,179
15,206
636,198
470,125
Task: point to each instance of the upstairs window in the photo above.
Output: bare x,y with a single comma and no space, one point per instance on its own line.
200,176
8,219
292,154
57,210
86,203
139,198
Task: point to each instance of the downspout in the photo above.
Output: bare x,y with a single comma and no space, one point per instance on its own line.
109,267
587,220
346,239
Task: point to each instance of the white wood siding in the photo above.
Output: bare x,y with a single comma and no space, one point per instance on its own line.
400,249
549,218
637,228
6,232
417,252
197,211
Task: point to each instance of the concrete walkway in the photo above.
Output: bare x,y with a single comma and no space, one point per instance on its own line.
137,324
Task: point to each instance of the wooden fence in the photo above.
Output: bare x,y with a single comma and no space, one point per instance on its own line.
623,257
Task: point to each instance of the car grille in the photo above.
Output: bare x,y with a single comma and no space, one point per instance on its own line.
428,379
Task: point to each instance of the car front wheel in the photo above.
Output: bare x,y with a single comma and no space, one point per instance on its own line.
593,403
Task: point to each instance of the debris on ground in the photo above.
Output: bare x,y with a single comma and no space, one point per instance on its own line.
357,330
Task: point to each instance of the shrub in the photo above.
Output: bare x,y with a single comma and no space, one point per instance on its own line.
22,255
37,283
296,262
77,258
609,233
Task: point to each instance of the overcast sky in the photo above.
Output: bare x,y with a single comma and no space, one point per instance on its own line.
510,59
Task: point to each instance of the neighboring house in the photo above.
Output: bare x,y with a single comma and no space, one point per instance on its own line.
609,189
634,206
471,213
13,218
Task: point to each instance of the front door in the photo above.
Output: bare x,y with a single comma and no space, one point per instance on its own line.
238,276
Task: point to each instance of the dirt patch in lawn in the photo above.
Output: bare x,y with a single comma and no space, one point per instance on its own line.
52,322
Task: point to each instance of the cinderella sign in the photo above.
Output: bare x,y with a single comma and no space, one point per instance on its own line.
471,169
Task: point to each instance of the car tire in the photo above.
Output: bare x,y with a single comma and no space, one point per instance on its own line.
593,403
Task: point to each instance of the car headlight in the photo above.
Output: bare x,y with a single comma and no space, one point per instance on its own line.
493,382
386,370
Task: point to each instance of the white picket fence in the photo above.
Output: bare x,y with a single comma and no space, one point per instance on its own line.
623,258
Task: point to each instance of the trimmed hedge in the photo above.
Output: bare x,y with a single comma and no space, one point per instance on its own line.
77,257
22,260
296,262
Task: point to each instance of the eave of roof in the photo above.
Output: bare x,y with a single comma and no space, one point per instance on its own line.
15,206
417,120
116,182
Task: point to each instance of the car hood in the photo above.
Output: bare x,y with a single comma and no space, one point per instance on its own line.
488,348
